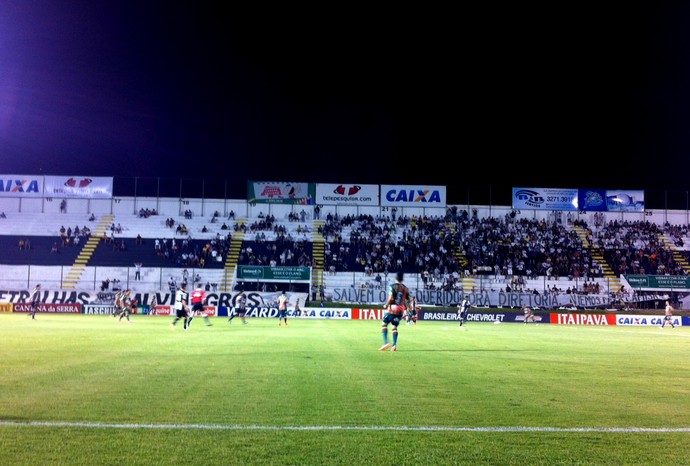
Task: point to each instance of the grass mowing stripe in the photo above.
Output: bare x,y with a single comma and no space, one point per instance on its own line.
364,428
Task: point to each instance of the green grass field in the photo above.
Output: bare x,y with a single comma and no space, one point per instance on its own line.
86,390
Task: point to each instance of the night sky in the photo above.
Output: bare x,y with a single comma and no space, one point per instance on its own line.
495,95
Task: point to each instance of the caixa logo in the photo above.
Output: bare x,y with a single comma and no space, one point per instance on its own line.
413,195
530,198
19,186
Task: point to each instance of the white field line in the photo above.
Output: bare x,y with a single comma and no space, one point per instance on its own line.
99,425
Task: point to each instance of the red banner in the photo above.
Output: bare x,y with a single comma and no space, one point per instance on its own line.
368,314
583,319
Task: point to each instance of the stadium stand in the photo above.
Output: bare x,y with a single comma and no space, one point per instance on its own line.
456,251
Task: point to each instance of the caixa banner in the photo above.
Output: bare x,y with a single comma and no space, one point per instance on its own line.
413,196
21,186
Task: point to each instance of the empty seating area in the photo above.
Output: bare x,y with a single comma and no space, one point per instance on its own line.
36,250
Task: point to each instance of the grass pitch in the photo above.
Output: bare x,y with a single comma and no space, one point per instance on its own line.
87,390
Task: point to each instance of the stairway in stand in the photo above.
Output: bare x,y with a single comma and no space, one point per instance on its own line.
233,256
77,270
318,253
677,256
468,283
598,255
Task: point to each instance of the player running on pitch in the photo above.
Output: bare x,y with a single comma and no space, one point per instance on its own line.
463,307
198,298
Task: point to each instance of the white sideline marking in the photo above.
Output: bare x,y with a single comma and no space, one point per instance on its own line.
98,425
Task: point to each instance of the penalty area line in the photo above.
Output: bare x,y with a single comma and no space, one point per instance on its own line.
100,425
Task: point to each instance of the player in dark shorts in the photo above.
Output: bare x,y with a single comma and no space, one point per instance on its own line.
198,298
398,302
35,300
240,309
529,313
125,305
283,302
411,313
181,307
463,307
117,302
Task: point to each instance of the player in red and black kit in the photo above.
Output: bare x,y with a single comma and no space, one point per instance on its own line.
198,297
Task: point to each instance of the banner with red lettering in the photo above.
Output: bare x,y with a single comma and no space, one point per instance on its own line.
72,308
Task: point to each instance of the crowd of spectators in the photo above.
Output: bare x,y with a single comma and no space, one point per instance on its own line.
442,249
637,248
146,212
73,237
190,253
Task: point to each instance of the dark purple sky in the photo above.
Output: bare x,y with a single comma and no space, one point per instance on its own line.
501,96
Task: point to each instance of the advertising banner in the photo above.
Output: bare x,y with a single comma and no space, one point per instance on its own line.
545,199
472,316
413,196
625,201
21,186
277,192
78,187
96,309
562,199
347,194
592,200
583,319
646,321
165,311
271,312
265,272
210,311
5,307
666,282
50,308
367,314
